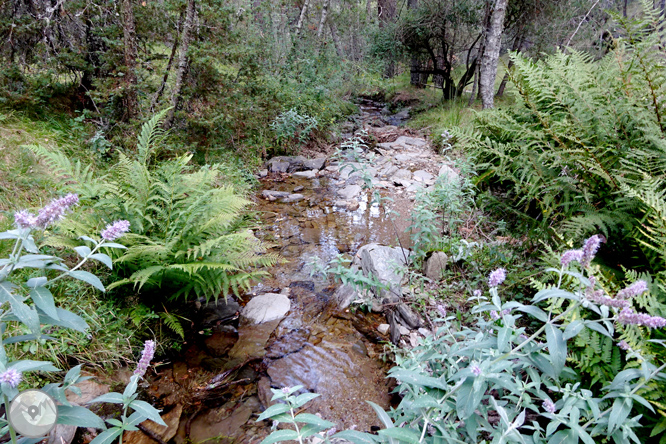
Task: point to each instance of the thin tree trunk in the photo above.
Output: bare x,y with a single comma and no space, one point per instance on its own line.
488,70
415,64
624,9
322,19
182,60
517,44
167,71
386,10
130,100
368,10
301,18
474,86
336,39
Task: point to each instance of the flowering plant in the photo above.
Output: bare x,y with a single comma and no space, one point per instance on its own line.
31,303
500,382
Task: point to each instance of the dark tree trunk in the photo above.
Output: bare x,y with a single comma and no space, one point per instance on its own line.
182,60
130,101
167,71
488,70
624,9
386,10
517,44
415,65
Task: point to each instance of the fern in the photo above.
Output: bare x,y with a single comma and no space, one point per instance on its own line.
186,238
172,322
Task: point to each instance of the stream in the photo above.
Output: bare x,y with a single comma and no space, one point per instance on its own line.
310,209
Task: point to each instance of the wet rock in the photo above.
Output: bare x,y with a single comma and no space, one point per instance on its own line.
408,316
383,328
310,174
279,167
264,392
289,343
252,340
273,195
348,169
448,174
435,265
172,420
220,342
384,262
293,198
62,434
315,164
344,295
220,312
218,423
286,164
350,205
349,192
299,188
423,176
266,307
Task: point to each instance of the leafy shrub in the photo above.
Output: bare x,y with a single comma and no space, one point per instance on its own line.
186,228
582,150
496,381
16,293
291,127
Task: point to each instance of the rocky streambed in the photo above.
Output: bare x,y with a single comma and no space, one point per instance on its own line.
296,329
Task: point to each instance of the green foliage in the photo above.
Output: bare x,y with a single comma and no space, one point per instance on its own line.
582,150
305,424
186,228
290,127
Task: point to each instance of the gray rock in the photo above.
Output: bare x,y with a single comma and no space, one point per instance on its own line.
348,169
220,312
299,188
408,316
293,198
403,182
344,295
384,263
263,173
315,164
266,307
389,171
424,332
349,192
386,145
279,167
272,195
383,328
401,174
350,205
403,157
448,174
403,330
413,188
435,265
422,176
61,434
411,141
310,174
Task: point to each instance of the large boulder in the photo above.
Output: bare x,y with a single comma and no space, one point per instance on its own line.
265,308
385,263
287,164
435,265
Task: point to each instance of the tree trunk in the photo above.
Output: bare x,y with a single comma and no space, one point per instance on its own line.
415,65
322,19
130,102
386,10
624,9
336,39
167,71
182,60
301,18
517,44
488,70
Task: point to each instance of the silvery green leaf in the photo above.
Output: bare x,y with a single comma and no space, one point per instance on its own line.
27,365
88,278
278,436
24,338
108,436
554,293
303,399
503,337
36,282
29,245
572,330
112,397
79,416
148,411
65,319
415,378
594,325
12,234
535,312
43,299
383,416
557,348
103,258
619,413
564,437
89,239
310,429
309,418
130,389
402,434
113,245
72,375
83,251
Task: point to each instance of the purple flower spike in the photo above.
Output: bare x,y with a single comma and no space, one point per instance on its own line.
497,277
55,210
476,370
11,377
441,309
623,345
24,219
590,248
635,289
494,315
549,406
115,230
146,357
477,293
571,255
628,316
